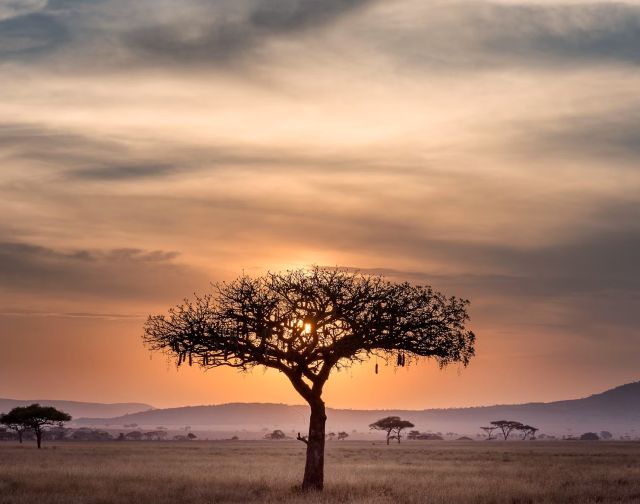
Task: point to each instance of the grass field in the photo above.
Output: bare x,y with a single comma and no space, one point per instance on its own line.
269,471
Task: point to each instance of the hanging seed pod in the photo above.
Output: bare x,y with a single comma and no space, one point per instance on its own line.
376,368
399,360
190,359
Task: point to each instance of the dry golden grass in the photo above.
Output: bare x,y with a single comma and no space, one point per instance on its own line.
269,471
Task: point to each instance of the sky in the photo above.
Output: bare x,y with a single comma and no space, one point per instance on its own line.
487,148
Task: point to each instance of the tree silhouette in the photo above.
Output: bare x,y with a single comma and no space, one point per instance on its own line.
489,431
528,432
276,434
507,427
342,435
35,418
392,425
13,421
305,323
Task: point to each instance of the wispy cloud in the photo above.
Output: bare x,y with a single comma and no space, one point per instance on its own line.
106,274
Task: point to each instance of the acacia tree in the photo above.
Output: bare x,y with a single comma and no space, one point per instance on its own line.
528,432
35,418
13,420
507,426
306,323
392,425
489,431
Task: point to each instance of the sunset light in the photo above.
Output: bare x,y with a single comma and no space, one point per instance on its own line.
303,221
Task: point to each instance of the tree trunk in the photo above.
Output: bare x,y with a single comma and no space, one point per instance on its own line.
20,436
39,438
314,467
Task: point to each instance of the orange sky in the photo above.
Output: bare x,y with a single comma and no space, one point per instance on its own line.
489,149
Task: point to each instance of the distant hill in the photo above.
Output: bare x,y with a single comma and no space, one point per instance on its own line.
79,409
616,410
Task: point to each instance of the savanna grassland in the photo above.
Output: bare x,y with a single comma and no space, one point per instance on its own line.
269,471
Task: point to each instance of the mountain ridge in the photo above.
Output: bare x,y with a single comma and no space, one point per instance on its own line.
616,409
78,409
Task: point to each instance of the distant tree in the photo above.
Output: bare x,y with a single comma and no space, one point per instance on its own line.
430,437
528,432
589,436
331,436
489,431
234,438
414,434
56,434
392,425
276,434
157,435
605,435
191,436
7,434
13,420
305,323
342,435
35,418
506,426
179,438
86,434
133,436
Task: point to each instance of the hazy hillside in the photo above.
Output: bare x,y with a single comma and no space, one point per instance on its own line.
79,409
617,410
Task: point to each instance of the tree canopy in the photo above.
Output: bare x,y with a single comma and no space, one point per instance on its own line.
392,425
305,323
33,417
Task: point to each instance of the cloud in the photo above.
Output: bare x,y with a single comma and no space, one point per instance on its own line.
69,315
123,172
108,33
223,33
456,35
108,274
15,8
589,283
73,157
31,35
481,35
612,135
592,264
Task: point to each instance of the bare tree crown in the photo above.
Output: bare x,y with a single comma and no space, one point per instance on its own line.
306,322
